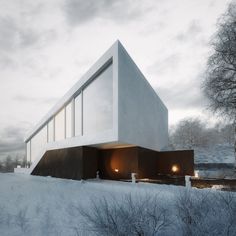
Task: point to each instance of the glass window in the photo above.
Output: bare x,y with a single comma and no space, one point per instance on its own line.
69,120
78,115
60,125
51,130
38,142
28,151
98,103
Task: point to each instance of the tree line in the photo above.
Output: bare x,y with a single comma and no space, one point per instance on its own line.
190,133
9,163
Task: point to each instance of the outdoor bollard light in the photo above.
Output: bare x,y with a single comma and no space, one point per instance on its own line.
187,181
196,173
97,175
133,177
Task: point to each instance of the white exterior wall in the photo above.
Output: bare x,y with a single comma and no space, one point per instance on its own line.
143,118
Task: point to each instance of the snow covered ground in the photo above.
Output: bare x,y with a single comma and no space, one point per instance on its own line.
32,205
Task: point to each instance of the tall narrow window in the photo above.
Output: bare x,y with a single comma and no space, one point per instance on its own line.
98,103
60,125
69,120
28,151
51,130
38,142
78,115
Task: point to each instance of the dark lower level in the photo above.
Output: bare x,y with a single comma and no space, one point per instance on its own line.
83,163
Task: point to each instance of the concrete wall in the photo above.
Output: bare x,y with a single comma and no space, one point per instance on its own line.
143,118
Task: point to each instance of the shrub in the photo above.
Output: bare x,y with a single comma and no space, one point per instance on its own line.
143,215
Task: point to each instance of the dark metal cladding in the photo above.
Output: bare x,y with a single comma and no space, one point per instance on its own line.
83,163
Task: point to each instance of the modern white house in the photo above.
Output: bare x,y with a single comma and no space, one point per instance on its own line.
111,107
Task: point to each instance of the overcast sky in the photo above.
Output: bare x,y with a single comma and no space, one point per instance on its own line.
45,47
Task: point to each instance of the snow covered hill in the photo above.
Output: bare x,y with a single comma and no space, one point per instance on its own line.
32,205
220,153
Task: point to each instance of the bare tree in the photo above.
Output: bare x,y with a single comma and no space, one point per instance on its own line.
189,133
9,167
220,82
227,134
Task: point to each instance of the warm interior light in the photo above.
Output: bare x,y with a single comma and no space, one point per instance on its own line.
174,168
116,170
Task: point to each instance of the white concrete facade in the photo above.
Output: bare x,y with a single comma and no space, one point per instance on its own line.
137,116
143,118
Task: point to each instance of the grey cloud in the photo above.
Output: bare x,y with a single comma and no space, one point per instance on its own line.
183,96
12,132
192,31
194,27
212,4
6,61
23,98
11,139
162,65
8,33
80,11
11,146
158,26
28,37
15,36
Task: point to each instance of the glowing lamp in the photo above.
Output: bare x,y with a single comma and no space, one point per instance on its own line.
116,170
174,168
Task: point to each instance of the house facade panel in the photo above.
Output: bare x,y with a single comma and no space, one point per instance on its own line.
112,107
